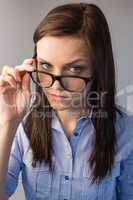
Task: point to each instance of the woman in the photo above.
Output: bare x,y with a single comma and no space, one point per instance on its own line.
74,142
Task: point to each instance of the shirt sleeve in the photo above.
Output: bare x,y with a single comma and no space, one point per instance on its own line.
15,163
125,181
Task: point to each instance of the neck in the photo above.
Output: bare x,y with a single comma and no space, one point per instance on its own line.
71,115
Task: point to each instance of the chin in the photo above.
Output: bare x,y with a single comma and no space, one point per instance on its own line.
59,107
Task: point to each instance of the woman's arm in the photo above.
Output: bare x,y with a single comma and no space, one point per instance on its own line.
6,138
125,181
14,98
3,197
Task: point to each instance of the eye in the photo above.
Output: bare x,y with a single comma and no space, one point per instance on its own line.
76,69
44,65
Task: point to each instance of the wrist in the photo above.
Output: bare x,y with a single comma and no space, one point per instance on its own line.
3,196
8,130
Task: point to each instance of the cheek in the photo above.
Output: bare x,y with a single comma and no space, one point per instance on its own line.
77,98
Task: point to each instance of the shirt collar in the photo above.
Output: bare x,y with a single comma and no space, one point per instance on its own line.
56,122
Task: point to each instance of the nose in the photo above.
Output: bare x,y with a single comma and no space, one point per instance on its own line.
56,85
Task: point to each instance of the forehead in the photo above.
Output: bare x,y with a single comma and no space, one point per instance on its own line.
66,48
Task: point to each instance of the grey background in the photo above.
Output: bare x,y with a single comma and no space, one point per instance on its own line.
18,20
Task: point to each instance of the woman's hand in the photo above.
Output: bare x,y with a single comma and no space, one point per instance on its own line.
14,98
15,91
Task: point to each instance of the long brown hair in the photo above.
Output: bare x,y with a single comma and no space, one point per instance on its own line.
88,22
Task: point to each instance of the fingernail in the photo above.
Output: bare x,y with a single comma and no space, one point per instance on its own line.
31,60
32,68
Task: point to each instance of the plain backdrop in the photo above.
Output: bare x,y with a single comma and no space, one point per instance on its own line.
18,20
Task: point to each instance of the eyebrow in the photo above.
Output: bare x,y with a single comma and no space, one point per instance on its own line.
64,65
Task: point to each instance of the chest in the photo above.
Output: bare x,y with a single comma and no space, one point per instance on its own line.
69,180
68,129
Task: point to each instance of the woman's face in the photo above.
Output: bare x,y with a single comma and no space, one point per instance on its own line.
63,56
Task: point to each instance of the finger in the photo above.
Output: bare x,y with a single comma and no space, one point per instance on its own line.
4,85
9,70
25,67
26,87
26,82
20,70
28,61
8,80
2,81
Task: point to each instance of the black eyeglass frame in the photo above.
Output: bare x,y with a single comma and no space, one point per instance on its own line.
56,77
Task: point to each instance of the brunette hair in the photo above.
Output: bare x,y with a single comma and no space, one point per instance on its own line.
89,23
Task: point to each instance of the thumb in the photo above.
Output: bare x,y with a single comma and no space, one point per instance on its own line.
26,88
26,82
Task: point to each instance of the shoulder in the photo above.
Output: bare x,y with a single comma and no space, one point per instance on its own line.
124,133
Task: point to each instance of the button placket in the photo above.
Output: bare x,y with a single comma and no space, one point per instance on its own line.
65,187
67,178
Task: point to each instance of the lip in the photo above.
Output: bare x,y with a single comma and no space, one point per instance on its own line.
57,96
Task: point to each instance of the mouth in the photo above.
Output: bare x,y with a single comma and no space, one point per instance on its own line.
58,97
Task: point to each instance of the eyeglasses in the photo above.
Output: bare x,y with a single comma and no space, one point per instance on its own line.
69,83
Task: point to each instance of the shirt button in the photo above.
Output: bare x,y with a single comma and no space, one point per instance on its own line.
66,177
76,134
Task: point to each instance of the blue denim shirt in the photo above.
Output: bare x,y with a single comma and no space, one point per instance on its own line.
70,177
